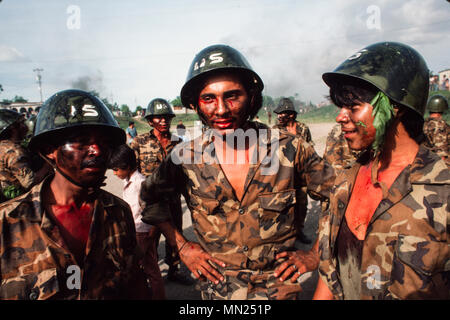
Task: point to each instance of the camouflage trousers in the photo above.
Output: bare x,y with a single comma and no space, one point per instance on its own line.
249,285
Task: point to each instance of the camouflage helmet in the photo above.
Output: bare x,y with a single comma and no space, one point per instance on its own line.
159,107
211,60
437,103
8,118
394,68
285,105
72,109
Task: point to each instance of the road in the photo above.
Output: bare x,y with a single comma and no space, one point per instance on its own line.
174,291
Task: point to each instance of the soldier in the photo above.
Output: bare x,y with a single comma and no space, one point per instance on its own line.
337,152
151,149
287,121
242,210
16,174
436,129
66,238
385,235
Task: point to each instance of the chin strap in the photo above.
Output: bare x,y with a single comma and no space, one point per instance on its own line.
91,189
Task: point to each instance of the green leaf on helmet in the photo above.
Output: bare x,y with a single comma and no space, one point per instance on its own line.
383,112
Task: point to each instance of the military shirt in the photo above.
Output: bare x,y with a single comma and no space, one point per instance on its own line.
149,151
15,166
36,264
437,132
337,151
405,253
301,129
245,233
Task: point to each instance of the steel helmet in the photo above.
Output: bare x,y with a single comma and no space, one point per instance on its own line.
8,118
159,107
437,103
211,60
71,109
285,105
394,68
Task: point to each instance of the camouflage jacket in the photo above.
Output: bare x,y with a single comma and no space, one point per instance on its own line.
246,233
15,166
405,253
337,152
302,131
36,264
149,152
437,132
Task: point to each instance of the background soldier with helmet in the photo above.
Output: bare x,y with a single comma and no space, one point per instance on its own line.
385,235
242,213
436,129
151,149
16,169
66,238
287,116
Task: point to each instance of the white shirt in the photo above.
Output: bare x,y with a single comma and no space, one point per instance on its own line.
131,190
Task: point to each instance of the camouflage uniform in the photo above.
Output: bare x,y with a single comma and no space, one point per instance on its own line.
337,152
36,264
302,197
245,234
15,167
405,254
149,152
149,155
437,132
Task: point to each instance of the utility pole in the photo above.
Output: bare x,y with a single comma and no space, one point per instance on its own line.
39,79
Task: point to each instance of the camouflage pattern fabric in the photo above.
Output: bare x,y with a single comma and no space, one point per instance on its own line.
149,152
246,233
302,131
15,167
437,132
35,263
337,153
249,285
405,253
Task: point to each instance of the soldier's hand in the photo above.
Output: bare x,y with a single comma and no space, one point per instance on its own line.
297,263
200,262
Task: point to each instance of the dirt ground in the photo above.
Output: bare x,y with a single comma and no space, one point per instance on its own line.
175,291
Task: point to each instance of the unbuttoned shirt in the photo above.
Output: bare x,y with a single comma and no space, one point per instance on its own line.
149,151
405,253
245,233
36,264
15,166
131,190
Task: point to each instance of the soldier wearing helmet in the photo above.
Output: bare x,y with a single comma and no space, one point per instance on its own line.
436,128
287,116
67,238
241,199
16,174
151,149
384,235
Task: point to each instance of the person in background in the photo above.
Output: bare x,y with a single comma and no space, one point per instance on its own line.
124,165
131,132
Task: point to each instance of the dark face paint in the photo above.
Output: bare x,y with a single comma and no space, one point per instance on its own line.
83,157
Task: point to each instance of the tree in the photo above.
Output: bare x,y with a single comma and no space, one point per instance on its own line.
125,110
176,102
1,88
19,99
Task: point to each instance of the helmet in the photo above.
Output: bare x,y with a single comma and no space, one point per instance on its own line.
394,68
285,105
7,118
71,109
159,107
437,103
213,59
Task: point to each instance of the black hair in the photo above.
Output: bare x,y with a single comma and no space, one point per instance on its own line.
130,123
351,91
122,157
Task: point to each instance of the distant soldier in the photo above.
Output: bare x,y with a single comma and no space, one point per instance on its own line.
436,129
337,152
16,174
287,121
151,149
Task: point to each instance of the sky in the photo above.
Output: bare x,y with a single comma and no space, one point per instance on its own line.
134,51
